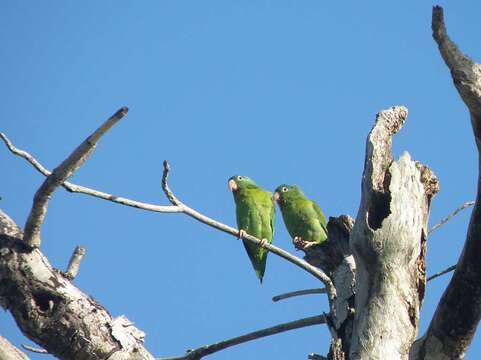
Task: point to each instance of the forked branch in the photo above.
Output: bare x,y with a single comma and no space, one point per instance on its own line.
60,175
177,207
74,188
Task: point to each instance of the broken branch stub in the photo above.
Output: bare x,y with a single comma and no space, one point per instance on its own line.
388,244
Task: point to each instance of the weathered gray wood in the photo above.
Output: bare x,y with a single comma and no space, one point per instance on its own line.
53,312
10,352
459,310
388,244
59,175
74,262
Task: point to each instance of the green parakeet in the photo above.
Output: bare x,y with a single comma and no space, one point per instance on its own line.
303,217
255,215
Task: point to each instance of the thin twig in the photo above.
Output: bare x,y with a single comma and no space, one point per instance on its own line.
299,293
441,273
59,175
213,348
450,216
34,349
74,263
85,190
319,274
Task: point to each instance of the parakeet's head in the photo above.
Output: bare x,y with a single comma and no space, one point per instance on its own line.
284,193
238,182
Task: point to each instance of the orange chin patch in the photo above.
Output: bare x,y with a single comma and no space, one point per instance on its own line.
276,196
232,185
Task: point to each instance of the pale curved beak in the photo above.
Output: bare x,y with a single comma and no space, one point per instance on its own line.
232,185
276,196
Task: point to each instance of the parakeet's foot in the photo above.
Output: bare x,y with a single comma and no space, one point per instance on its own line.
263,243
301,244
298,243
242,234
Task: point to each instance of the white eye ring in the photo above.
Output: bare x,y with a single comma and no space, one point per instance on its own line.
284,189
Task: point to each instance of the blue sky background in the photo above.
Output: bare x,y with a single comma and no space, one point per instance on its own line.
281,91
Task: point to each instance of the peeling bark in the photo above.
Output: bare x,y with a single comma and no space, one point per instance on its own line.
459,310
55,314
388,244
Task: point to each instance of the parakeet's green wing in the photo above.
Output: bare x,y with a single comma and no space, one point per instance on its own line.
255,214
273,218
320,215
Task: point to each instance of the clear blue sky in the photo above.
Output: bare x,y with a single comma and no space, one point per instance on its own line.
281,91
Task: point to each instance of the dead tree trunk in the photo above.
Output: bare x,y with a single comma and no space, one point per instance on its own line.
385,273
389,245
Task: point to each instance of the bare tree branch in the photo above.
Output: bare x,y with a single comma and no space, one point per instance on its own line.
10,352
59,175
459,310
441,273
74,188
450,216
178,207
319,274
55,314
202,351
298,293
34,349
74,263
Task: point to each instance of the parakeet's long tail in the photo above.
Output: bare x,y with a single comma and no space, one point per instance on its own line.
258,258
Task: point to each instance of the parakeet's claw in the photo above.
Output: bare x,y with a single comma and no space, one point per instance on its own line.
263,243
298,243
301,244
242,234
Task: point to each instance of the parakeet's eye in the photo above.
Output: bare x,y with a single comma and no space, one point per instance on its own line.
284,189
239,178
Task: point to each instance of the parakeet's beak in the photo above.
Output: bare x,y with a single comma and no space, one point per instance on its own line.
276,196
232,185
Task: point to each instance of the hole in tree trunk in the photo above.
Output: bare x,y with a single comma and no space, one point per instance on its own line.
43,301
379,208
